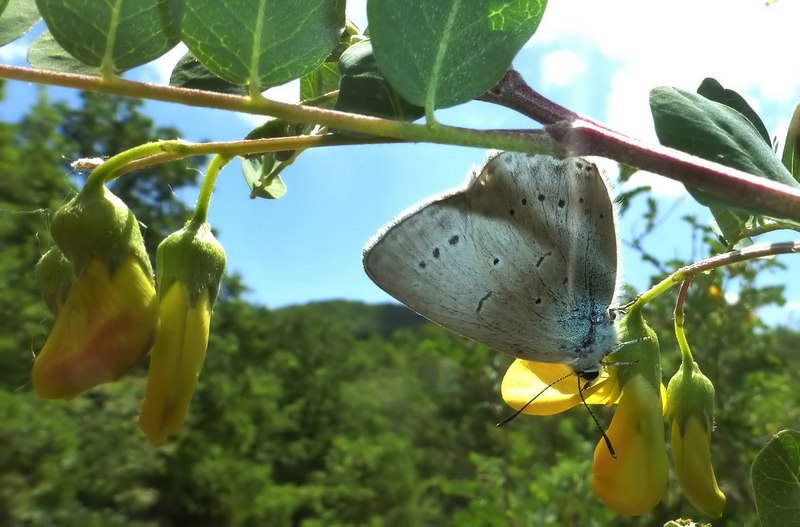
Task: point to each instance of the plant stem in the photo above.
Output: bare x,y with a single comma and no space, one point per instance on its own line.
680,335
759,250
216,164
582,136
533,141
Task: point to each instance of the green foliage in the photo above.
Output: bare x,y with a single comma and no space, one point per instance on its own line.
714,128
114,36
17,17
452,51
364,89
262,43
776,481
46,53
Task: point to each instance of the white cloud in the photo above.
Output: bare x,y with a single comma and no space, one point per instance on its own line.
561,67
14,53
159,71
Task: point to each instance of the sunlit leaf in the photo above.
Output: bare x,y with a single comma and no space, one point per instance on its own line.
445,52
692,123
261,171
17,18
262,43
45,53
114,35
711,89
776,481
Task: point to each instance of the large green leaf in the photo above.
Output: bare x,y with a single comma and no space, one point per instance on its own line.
45,53
711,89
365,90
114,35
18,17
776,481
444,52
262,43
692,123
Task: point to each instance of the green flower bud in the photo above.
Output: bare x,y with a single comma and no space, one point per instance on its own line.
55,275
97,225
194,257
690,407
190,265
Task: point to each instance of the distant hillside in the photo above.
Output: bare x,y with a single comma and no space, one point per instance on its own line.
362,320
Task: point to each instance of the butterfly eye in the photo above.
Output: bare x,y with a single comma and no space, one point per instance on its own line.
589,375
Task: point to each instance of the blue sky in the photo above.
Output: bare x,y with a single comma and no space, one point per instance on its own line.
597,58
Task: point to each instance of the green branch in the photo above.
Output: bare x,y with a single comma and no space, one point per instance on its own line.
760,250
533,141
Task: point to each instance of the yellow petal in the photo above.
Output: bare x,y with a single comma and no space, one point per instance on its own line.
525,379
691,453
634,482
104,328
175,362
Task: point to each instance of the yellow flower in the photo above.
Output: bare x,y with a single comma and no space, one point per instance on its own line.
104,327
525,379
190,265
175,362
691,406
633,482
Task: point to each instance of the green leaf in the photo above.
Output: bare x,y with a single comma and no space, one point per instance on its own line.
316,85
18,17
263,178
261,171
190,73
365,90
711,89
791,146
446,52
716,132
776,481
45,53
262,43
114,35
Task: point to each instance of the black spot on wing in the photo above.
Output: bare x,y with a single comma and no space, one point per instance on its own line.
561,203
454,239
542,258
422,265
496,261
540,197
436,253
481,301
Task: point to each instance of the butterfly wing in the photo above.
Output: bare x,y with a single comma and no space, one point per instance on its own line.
521,258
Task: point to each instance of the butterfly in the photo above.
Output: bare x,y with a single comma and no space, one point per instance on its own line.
522,257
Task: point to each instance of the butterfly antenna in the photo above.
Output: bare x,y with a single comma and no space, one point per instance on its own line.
599,426
522,409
